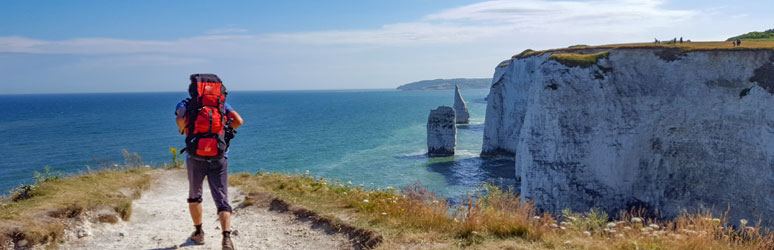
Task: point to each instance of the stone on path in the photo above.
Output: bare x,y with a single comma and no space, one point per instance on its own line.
441,132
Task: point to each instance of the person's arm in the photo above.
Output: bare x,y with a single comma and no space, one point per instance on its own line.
180,119
237,119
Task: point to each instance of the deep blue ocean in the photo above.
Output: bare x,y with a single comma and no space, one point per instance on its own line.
370,137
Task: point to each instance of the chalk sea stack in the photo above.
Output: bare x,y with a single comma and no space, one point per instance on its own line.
665,129
460,107
441,132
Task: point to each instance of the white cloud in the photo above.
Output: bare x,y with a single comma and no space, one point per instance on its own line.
228,30
392,35
95,46
467,24
139,60
501,19
542,12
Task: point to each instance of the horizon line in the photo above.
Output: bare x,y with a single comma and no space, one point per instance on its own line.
184,91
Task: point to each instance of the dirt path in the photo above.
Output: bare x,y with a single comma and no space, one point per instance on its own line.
160,220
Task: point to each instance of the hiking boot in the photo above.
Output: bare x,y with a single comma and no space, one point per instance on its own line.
198,239
227,244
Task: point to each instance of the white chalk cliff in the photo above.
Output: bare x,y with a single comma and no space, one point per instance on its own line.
658,128
441,132
460,107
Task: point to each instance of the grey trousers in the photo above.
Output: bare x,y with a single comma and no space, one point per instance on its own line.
216,172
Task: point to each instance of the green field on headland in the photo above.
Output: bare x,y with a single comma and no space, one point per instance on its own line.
767,35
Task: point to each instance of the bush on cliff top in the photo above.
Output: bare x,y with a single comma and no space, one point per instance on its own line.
578,60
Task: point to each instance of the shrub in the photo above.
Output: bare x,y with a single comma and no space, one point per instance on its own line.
46,175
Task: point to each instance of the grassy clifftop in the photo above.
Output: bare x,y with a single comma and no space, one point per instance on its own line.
681,47
585,56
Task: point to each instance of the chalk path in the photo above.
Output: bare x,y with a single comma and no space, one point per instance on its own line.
160,220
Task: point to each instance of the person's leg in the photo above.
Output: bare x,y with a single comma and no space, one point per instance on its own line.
225,220
196,212
217,177
196,173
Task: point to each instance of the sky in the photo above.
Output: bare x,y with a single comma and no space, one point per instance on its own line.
152,46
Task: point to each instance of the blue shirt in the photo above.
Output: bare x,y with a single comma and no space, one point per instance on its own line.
228,108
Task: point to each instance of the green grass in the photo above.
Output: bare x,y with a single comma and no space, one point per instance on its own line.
578,60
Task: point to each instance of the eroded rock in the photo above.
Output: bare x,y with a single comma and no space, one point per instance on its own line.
441,132
460,108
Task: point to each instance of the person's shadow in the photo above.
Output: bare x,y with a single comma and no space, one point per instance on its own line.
188,242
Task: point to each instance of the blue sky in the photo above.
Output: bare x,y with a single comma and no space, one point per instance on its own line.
147,46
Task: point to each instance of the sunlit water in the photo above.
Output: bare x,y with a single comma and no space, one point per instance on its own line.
374,138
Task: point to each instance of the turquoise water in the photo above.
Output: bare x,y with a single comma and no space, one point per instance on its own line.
371,137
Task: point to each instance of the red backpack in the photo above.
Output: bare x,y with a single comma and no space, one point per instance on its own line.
206,112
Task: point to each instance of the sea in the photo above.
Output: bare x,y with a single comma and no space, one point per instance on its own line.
373,138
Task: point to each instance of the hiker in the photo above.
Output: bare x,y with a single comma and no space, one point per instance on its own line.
734,43
209,124
738,42
681,39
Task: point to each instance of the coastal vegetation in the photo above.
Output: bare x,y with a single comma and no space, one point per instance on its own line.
36,213
767,35
494,218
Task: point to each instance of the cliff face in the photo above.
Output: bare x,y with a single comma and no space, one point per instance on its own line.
656,128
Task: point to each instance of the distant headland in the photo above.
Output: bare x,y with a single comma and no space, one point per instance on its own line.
444,84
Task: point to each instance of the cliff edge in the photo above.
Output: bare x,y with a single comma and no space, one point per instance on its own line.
669,129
